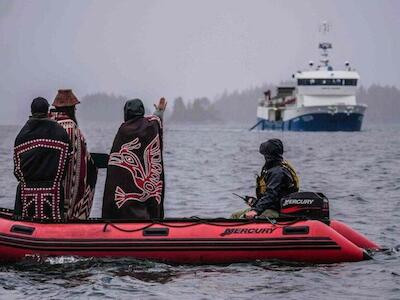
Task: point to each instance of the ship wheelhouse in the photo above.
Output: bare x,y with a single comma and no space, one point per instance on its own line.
324,87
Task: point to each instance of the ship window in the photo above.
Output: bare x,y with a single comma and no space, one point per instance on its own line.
303,81
327,81
350,82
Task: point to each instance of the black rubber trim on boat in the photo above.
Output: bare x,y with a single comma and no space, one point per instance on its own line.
296,230
156,232
22,229
179,247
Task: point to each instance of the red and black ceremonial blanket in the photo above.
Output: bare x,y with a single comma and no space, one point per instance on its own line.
135,174
81,177
40,159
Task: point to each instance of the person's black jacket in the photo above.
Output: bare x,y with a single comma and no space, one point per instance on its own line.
279,183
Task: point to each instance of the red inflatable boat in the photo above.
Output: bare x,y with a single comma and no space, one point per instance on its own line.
194,241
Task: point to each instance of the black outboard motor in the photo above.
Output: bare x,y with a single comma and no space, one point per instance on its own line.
305,204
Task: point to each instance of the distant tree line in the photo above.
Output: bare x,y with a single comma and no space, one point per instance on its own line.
103,107
383,103
199,110
235,107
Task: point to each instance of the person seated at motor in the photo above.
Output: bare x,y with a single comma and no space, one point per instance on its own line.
277,180
135,185
41,153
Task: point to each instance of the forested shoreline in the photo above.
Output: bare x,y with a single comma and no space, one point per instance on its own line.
236,107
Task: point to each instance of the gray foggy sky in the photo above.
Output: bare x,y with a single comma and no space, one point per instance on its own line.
183,48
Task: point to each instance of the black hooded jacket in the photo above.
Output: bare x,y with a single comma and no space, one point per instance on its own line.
279,181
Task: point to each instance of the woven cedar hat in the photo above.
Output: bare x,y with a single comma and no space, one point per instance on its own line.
65,98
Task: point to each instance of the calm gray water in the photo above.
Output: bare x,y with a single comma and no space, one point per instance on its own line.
359,172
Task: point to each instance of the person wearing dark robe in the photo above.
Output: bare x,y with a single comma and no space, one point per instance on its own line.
277,179
135,184
81,176
41,153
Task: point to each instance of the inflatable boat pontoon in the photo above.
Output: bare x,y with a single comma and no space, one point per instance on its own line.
187,240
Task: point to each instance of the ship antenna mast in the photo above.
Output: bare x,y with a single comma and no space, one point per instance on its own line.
324,28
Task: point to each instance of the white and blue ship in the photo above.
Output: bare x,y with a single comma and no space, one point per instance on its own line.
318,99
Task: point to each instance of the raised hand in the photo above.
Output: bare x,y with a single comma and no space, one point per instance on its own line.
162,104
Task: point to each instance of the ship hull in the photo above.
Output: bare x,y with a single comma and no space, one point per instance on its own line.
316,122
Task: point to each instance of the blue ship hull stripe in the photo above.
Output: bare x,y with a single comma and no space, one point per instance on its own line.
316,122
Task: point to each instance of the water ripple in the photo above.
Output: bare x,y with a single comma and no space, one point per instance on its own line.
204,166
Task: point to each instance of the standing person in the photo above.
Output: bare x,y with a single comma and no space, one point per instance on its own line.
41,152
277,180
135,174
81,176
